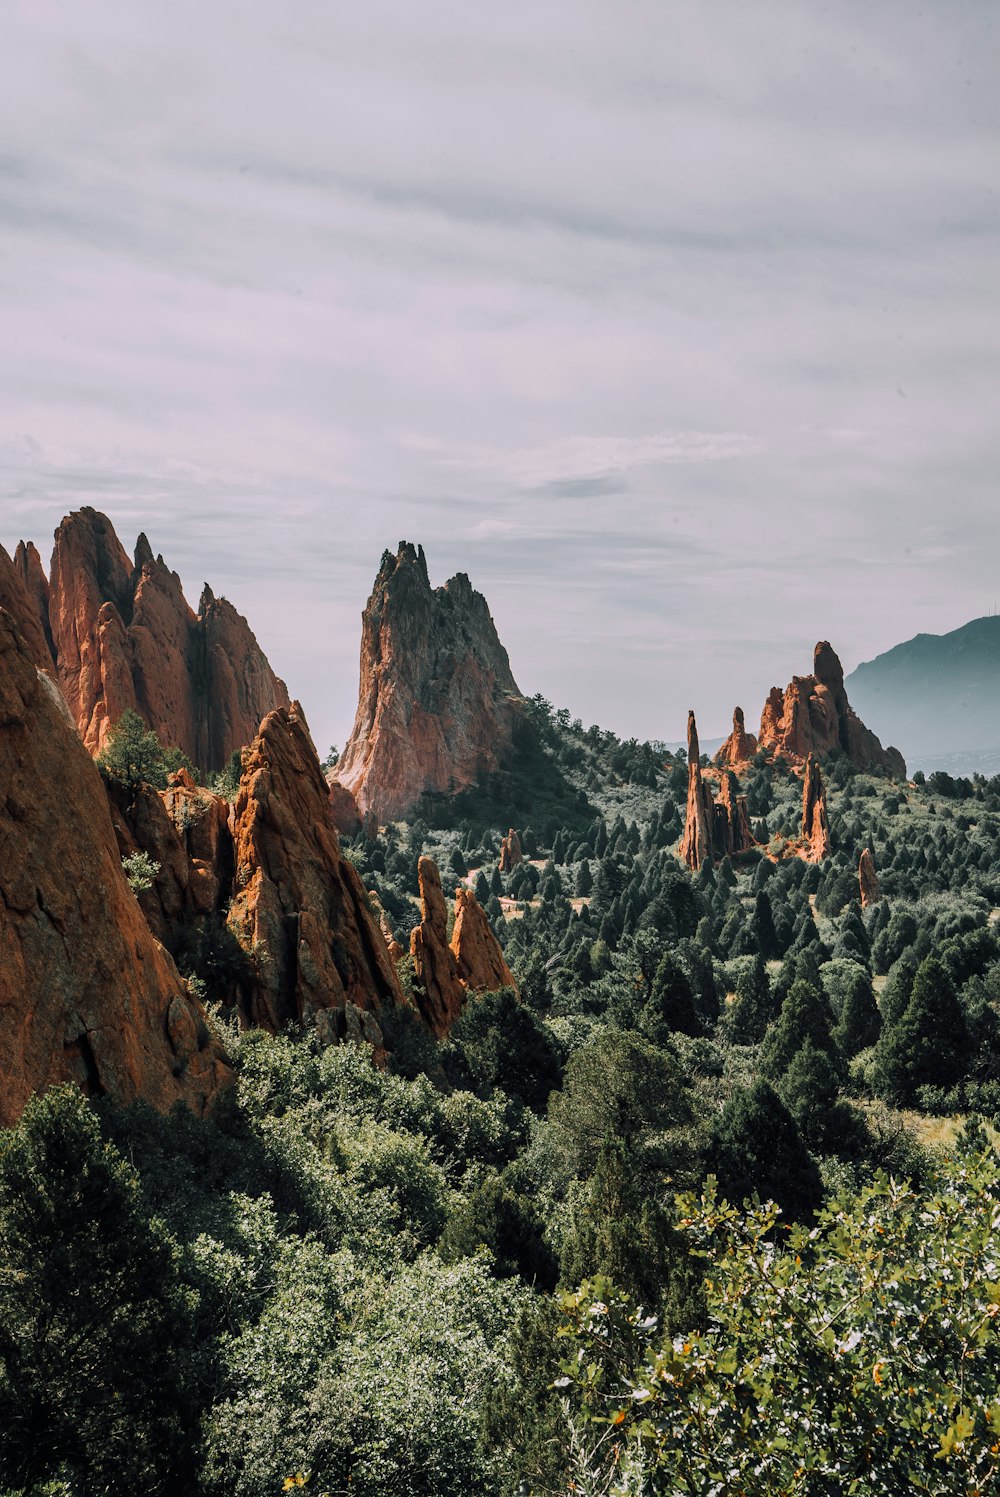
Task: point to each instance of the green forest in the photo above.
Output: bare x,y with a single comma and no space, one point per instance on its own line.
711,1208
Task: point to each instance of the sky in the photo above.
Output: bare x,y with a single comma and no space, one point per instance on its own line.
676,326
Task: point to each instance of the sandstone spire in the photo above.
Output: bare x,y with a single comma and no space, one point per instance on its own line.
813,716
740,747
815,825
868,879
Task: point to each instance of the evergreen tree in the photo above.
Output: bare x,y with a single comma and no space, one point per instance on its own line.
809,1091
670,1006
929,1044
860,1023
752,1011
756,1150
805,1015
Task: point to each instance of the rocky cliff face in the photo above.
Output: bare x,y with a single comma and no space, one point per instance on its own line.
300,911
815,823
813,716
712,829
86,992
438,708
122,635
739,748
473,962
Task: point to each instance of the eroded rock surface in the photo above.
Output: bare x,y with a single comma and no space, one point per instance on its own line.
87,994
713,828
472,962
868,879
813,716
815,822
123,636
510,851
739,748
438,708
300,911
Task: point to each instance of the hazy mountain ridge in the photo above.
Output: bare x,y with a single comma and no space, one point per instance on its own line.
937,697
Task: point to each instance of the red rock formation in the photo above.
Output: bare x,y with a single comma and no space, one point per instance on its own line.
344,810
441,993
731,819
472,963
185,830
697,844
19,604
438,707
479,958
300,911
815,825
123,636
739,748
36,585
814,716
510,852
868,879
86,992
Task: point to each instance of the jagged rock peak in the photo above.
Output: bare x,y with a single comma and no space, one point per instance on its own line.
740,747
22,604
868,879
813,716
438,707
712,829
473,962
86,992
123,636
511,852
300,911
815,822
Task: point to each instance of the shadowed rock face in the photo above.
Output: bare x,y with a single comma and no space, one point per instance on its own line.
868,879
86,992
813,716
438,708
712,829
122,635
22,607
815,823
300,911
510,851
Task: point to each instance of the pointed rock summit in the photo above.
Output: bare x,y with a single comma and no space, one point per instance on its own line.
300,911
119,634
813,716
86,992
868,880
712,829
473,962
438,708
739,748
815,823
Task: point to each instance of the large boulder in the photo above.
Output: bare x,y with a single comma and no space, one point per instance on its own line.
87,994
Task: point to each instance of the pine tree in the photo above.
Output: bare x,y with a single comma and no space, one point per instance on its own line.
757,1150
805,1015
752,1011
929,1044
860,1022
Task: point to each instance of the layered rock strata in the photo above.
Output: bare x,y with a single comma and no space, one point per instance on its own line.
813,716
438,707
815,822
120,634
87,994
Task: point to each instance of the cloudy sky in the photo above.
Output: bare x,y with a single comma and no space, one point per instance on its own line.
676,326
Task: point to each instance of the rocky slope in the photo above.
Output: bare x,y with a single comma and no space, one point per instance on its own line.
121,634
813,716
18,602
86,992
438,708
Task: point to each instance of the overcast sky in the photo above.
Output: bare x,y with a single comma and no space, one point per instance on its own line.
676,326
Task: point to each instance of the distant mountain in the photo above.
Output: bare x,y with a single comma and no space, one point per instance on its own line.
938,698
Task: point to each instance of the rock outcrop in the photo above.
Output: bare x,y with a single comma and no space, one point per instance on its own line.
868,880
739,748
300,911
122,635
473,961
815,823
479,958
510,851
86,992
16,600
813,716
712,829
438,708
441,992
